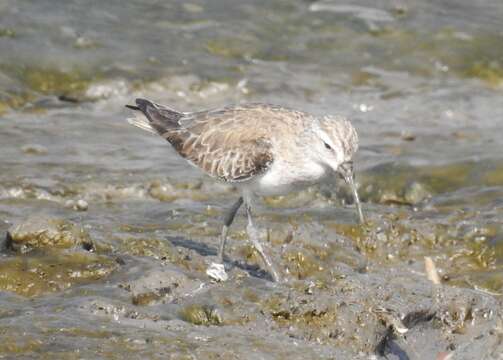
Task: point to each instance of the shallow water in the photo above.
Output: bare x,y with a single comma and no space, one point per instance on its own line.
422,83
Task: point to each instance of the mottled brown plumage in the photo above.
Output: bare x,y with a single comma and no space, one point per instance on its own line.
232,144
263,149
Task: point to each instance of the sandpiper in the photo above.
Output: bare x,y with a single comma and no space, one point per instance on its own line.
261,149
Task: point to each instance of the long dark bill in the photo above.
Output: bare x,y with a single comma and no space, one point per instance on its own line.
346,170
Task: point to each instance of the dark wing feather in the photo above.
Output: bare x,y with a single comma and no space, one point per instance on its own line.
221,154
227,143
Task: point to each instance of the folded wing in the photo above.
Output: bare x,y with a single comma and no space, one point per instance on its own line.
226,143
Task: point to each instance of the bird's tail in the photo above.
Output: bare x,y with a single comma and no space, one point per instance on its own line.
157,118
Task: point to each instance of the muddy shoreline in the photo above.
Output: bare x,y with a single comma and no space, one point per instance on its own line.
106,233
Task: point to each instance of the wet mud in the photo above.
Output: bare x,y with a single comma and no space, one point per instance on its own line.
106,234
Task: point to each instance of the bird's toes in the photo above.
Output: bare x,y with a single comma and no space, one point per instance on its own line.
216,271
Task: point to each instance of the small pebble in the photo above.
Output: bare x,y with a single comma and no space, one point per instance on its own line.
408,136
415,193
34,149
83,42
81,205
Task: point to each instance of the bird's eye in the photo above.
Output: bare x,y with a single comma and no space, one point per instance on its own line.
328,146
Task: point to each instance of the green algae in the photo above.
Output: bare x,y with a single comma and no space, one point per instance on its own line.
34,276
248,252
46,233
449,177
490,72
201,315
139,229
492,281
7,33
294,199
305,318
363,78
313,320
154,248
160,250
146,298
79,332
164,191
477,55
227,48
55,81
14,100
35,81
18,345
398,239
406,237
243,48
251,296
193,230
494,177
4,108
406,185
302,265
477,256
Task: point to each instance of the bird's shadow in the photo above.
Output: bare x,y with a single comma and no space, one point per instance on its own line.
205,250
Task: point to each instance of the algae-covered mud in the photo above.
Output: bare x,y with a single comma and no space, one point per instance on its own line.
106,233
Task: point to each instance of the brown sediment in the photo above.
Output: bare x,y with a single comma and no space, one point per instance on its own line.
201,315
41,232
39,275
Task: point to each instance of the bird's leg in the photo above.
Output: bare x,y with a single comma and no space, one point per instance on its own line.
229,218
216,270
254,238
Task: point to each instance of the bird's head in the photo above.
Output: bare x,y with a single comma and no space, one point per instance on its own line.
335,143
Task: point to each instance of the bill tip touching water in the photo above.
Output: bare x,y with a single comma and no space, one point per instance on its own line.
261,149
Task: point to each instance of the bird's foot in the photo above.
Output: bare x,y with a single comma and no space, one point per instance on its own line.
254,236
216,271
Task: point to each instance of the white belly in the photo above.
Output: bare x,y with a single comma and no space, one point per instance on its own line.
283,178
